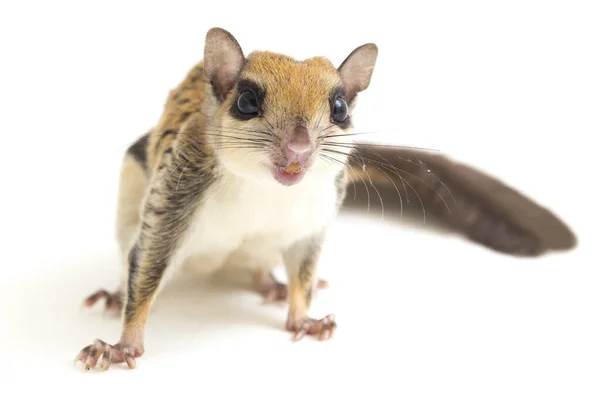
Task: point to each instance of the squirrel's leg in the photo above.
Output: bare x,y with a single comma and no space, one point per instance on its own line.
132,187
147,266
301,261
171,202
272,290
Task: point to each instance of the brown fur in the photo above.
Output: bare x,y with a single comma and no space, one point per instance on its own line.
183,102
297,90
166,174
456,195
282,76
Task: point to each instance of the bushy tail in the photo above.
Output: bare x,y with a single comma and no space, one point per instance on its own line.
462,199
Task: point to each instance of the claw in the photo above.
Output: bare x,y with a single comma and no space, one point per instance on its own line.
105,361
107,354
89,363
83,355
323,328
130,361
300,333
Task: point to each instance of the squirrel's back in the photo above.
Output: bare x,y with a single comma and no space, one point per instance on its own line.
182,103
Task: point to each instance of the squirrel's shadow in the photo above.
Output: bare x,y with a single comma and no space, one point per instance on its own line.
47,318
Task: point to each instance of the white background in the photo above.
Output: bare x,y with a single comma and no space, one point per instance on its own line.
511,87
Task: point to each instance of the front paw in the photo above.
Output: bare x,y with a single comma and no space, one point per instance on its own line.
107,354
323,328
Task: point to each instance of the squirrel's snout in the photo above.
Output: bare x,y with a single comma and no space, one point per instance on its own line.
299,146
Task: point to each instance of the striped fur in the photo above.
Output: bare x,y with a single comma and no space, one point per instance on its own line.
198,189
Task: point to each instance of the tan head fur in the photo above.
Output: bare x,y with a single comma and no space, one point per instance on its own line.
275,111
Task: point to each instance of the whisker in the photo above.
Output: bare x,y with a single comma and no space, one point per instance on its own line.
404,183
364,183
403,180
180,175
423,181
196,135
366,188
397,191
328,157
241,143
176,167
257,140
436,177
351,169
389,146
342,135
267,121
318,122
376,191
406,172
238,129
232,132
394,170
234,146
326,129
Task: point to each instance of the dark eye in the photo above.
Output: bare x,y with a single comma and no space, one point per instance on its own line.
247,103
340,110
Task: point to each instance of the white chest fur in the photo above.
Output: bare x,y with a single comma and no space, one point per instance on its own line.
250,223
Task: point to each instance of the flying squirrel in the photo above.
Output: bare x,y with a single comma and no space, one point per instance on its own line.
252,159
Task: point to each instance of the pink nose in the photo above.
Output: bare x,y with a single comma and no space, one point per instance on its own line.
299,146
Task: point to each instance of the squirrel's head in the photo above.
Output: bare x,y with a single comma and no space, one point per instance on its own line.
278,118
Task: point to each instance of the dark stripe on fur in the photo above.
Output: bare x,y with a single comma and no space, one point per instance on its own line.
176,193
138,149
133,270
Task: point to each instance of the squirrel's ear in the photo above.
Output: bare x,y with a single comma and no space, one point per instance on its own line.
223,60
357,68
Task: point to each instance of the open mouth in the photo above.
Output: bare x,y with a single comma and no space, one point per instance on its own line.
290,175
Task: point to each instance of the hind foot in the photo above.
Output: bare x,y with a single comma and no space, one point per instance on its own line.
274,291
107,355
113,301
323,329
